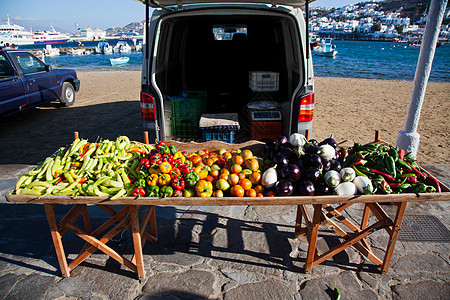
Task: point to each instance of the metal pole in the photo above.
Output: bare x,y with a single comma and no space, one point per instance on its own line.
408,138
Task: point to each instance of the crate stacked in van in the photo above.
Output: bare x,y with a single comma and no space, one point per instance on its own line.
219,127
186,112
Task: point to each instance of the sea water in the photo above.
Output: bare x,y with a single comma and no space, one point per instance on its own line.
355,59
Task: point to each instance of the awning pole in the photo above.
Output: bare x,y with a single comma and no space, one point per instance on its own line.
408,138
307,28
147,28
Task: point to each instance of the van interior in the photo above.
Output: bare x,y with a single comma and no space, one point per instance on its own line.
218,53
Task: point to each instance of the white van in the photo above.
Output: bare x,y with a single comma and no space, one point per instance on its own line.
250,59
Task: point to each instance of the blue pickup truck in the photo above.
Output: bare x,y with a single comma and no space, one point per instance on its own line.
26,82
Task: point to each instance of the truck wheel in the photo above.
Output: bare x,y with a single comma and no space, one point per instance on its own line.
67,94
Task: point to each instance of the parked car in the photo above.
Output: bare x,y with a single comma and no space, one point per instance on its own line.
220,48
25,82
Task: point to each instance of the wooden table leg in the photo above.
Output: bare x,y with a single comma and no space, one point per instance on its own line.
401,207
314,232
57,242
135,229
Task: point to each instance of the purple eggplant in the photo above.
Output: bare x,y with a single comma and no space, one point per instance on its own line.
306,188
330,141
335,165
284,187
312,160
269,146
291,172
280,140
311,148
287,152
321,188
326,165
311,174
281,161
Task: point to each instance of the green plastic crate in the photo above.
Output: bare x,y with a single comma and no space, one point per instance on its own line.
185,127
191,106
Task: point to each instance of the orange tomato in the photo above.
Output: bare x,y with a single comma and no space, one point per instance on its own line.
237,191
208,161
218,193
250,193
259,195
245,183
223,176
255,177
214,173
259,189
246,154
225,171
252,164
241,175
227,155
235,168
195,159
233,179
237,159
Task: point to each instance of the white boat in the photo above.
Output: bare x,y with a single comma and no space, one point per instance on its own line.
13,34
119,60
122,47
326,48
77,51
50,51
50,37
103,48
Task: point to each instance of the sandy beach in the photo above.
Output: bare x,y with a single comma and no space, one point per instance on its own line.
107,106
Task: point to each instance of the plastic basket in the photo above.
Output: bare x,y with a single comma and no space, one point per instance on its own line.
223,135
185,127
187,107
265,131
264,81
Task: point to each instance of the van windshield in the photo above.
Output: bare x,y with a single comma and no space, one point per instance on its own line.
229,32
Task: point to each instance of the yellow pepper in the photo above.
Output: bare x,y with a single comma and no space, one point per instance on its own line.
204,188
163,179
152,179
165,167
179,155
154,169
201,171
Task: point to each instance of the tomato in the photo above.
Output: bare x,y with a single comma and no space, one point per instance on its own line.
227,156
241,175
246,154
222,185
223,176
250,193
218,193
245,183
235,169
214,173
237,159
252,164
237,191
259,189
225,171
255,178
233,179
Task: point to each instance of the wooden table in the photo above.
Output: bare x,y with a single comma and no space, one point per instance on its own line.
327,210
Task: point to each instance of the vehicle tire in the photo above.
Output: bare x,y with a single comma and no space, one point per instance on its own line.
67,94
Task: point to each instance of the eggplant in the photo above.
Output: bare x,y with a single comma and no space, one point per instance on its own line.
337,155
311,148
335,165
313,160
280,140
287,145
299,163
321,188
284,187
330,141
311,174
306,188
281,161
291,172
287,152
269,146
326,165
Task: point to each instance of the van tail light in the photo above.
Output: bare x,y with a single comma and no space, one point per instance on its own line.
306,110
147,107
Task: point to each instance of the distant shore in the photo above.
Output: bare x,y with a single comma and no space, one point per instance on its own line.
107,106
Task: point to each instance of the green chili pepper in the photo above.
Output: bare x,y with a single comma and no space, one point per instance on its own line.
153,191
417,188
358,172
166,191
390,165
393,152
191,178
401,164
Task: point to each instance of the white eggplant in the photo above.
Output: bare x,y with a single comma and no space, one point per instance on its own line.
364,185
297,139
269,178
347,174
326,151
332,178
346,188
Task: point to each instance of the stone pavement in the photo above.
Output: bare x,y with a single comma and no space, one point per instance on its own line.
239,252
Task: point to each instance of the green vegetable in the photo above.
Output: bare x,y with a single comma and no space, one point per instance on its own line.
153,191
191,178
166,191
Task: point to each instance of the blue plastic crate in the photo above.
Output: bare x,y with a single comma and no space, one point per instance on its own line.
223,135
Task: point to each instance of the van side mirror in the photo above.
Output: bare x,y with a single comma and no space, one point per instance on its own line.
48,68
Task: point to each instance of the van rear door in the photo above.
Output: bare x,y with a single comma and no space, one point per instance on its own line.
166,3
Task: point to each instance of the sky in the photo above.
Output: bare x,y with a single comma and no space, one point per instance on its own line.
63,14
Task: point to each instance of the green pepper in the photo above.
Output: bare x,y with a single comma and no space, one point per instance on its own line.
390,165
358,172
401,164
393,152
140,183
417,188
191,178
153,191
166,191
164,150
173,149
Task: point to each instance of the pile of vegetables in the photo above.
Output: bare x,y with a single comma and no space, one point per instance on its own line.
287,167
301,167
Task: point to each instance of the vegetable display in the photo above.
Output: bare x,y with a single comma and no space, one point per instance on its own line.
287,167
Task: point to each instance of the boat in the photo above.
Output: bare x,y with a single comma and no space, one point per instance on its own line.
13,34
122,47
326,48
119,60
77,51
103,48
50,51
50,37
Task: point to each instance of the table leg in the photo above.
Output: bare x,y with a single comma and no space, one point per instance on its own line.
401,207
314,232
135,229
57,242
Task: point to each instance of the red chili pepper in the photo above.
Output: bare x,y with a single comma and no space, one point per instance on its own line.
401,154
177,193
411,179
138,192
417,172
83,179
394,184
434,182
178,183
388,177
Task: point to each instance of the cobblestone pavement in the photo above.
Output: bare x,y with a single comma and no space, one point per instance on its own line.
238,252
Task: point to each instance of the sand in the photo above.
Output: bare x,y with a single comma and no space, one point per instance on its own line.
107,106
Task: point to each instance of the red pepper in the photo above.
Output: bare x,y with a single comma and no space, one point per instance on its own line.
177,163
388,177
186,168
175,173
145,163
401,154
411,179
209,178
156,158
417,172
178,183
83,179
177,193
138,192
434,182
168,157
160,144
394,184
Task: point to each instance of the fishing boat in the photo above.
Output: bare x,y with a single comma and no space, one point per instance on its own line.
77,51
122,47
50,51
119,60
326,48
103,48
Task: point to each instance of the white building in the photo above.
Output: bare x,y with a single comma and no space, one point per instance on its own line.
93,34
